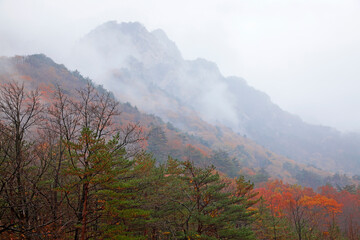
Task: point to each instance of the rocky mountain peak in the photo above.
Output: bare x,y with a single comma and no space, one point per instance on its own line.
147,68
124,27
130,40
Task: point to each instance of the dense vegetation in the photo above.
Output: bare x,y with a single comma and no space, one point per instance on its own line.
69,170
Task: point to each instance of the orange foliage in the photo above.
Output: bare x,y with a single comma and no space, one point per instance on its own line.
197,148
284,199
47,91
349,219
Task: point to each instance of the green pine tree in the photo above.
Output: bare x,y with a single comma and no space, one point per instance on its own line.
195,205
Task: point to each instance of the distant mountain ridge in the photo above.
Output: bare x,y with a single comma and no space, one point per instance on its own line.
146,69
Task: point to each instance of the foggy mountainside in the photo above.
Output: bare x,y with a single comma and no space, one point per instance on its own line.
146,69
179,120
204,144
73,179
186,154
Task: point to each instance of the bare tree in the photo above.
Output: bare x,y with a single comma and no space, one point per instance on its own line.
36,148
20,111
68,117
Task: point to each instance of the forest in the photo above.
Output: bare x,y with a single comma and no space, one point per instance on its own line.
70,170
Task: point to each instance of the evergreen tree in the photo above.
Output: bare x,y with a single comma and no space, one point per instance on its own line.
224,163
213,213
101,188
196,205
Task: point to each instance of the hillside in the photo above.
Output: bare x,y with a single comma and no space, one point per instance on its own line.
146,69
206,144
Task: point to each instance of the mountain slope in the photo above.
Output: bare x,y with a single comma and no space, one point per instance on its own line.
146,69
217,145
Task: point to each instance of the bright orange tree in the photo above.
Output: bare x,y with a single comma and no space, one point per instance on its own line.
306,212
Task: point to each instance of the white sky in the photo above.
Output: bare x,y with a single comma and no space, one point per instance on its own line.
305,54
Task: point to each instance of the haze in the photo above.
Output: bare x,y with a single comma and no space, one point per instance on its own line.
304,54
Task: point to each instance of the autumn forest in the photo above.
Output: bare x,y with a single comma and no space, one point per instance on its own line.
77,164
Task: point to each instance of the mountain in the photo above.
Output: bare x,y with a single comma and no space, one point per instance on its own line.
146,69
231,153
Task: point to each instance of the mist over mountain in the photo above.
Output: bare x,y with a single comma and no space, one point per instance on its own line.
146,69
62,93
179,119
204,144
144,60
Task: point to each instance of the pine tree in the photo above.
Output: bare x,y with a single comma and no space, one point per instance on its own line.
215,213
196,205
124,213
101,188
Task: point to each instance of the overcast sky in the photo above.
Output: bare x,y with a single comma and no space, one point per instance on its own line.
305,54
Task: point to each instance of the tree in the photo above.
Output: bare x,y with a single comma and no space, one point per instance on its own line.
199,206
307,211
84,127
224,163
124,214
22,167
270,226
272,222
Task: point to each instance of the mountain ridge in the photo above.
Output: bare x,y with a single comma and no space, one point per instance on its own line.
141,65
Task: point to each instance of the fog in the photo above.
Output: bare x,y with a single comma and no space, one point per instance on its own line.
304,54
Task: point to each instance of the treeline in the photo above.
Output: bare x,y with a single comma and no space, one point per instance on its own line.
70,170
